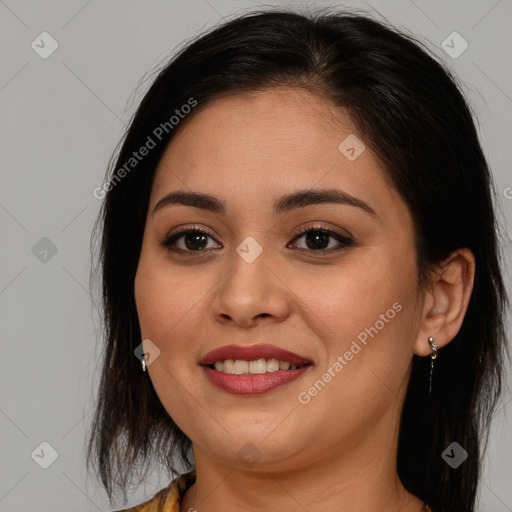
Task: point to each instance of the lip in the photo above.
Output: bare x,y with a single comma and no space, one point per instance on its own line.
253,384
251,353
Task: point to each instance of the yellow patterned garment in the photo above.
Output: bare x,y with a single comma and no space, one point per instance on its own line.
167,499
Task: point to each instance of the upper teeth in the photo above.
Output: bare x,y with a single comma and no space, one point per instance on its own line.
239,366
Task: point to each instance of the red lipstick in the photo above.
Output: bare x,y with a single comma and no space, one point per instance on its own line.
249,384
251,353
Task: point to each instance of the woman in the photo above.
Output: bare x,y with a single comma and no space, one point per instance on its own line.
299,247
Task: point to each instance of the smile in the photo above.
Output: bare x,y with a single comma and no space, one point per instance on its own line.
256,367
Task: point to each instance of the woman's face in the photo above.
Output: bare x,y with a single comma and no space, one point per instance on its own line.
253,279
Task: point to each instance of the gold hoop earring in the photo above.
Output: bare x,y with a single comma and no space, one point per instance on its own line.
433,355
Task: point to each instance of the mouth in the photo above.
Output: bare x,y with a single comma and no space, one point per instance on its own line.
254,369
252,353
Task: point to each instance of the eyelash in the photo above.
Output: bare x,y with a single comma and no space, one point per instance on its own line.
344,240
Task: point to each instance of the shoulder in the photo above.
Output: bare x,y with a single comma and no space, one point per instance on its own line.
166,499
154,504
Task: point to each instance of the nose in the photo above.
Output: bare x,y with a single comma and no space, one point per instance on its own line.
250,291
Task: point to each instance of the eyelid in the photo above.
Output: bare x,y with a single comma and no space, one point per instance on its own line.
318,226
187,227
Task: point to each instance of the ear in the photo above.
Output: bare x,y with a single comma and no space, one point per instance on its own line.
446,300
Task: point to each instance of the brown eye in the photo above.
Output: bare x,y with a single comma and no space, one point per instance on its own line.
194,240
317,240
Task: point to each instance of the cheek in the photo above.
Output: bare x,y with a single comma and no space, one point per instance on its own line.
363,321
164,299
342,301
165,311
363,312
168,312
152,302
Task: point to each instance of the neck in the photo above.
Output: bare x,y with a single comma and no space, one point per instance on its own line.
360,477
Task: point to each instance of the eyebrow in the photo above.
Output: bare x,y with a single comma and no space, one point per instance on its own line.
298,199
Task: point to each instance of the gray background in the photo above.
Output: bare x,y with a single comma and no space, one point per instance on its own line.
61,118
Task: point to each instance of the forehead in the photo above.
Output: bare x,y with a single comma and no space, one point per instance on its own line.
264,144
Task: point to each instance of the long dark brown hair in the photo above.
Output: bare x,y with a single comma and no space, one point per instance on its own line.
411,112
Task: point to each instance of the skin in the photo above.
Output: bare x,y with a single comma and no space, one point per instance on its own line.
337,452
